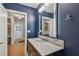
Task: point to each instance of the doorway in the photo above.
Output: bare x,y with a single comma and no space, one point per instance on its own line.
17,33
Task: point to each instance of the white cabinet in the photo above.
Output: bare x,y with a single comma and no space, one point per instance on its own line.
3,31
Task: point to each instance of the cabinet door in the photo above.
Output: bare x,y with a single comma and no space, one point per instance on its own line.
3,31
32,51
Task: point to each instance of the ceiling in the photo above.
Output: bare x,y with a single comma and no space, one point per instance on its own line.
33,5
50,9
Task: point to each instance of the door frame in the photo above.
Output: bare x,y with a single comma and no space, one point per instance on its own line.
3,38
14,11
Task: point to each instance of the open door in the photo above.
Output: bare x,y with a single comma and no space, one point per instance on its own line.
3,31
17,33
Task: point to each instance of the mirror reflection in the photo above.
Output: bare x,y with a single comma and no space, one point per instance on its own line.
47,21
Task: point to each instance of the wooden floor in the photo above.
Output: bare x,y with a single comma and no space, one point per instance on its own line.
17,49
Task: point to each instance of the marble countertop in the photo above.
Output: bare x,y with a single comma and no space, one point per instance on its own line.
43,47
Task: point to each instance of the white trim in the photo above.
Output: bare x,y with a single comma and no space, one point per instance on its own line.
3,31
39,24
44,17
3,8
14,11
55,20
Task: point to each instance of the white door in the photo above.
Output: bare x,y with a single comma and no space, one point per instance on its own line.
3,31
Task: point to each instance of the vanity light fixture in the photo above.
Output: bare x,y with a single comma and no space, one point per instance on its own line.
43,7
21,16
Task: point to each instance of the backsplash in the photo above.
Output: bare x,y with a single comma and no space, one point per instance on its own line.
53,40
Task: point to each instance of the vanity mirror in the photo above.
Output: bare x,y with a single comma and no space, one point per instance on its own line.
47,21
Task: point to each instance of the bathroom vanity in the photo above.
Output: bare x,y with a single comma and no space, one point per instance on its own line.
40,47
46,44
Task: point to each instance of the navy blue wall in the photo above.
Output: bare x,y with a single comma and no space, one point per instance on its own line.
69,30
33,19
